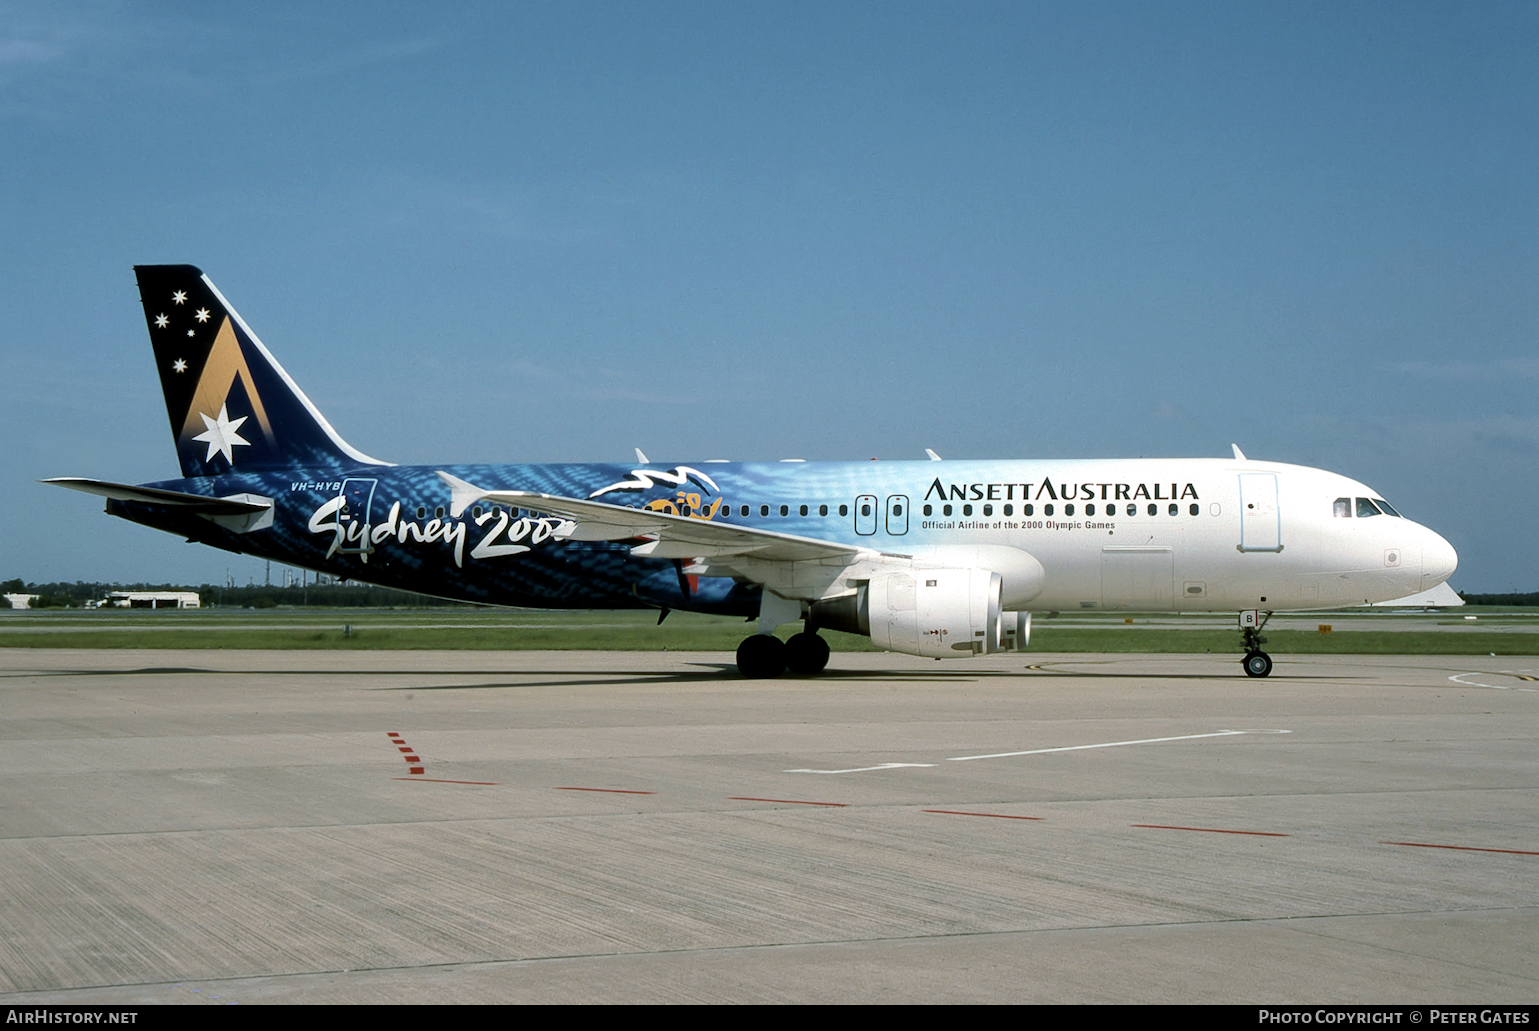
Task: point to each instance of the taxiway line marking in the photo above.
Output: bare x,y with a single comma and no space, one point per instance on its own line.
1516,674
866,769
610,791
437,780
997,816
1461,848
786,801
1111,744
1208,830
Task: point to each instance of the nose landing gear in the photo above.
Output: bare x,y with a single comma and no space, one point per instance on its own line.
1256,663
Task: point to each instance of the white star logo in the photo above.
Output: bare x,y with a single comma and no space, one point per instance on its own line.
179,296
201,315
180,365
189,332
161,321
221,436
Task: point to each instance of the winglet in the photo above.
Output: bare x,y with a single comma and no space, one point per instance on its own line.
933,456
1238,454
643,459
461,494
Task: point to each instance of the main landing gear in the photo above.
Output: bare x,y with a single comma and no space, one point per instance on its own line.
1256,663
764,656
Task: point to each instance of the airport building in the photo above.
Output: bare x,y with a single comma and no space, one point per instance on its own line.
151,600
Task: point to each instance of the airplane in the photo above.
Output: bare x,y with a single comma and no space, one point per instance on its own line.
941,559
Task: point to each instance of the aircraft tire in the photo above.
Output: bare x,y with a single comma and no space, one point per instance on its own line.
761,657
806,654
1257,664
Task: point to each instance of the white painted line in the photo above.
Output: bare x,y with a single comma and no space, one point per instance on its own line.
1521,674
865,769
1113,744
1044,751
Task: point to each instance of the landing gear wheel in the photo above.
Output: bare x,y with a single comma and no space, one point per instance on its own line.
761,657
1257,664
806,654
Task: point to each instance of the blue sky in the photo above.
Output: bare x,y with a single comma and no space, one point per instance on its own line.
551,232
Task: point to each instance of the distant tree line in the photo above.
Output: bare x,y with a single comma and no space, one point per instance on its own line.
361,596
349,596
1531,598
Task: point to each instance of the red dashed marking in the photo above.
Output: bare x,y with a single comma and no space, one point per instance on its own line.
407,753
997,816
1461,848
1209,830
610,791
786,801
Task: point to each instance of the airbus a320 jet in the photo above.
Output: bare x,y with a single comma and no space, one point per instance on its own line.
930,558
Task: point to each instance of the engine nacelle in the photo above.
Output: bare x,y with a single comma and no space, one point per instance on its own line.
1014,631
938,613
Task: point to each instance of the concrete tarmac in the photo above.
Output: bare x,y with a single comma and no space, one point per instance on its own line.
378,827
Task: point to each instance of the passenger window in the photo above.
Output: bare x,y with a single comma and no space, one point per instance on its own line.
1154,510
1175,509
988,510
804,510
421,512
822,510
1132,510
1342,508
1365,509
1193,509
1384,507
865,510
785,510
929,510
844,510
1028,509
1090,510
1009,510
438,513
1068,510
764,510
1047,509
967,510
945,510
743,510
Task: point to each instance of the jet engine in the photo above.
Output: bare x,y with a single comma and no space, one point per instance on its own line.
938,613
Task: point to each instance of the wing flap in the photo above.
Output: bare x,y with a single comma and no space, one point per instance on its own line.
673,536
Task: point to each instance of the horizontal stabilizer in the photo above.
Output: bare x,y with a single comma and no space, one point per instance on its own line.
155,496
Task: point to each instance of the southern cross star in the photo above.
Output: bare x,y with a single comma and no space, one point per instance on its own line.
221,436
179,296
161,322
180,365
201,315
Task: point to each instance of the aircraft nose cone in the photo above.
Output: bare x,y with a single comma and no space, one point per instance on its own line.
1438,560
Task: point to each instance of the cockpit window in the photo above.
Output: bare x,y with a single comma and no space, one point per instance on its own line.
1366,508
1384,506
1343,508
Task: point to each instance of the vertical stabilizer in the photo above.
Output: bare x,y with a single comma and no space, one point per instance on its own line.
232,406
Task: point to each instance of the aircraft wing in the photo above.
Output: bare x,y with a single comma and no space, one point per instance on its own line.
169,498
671,536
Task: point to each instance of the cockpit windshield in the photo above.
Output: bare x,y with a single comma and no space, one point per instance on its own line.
1342,508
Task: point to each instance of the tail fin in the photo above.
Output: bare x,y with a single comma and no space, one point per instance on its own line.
232,406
